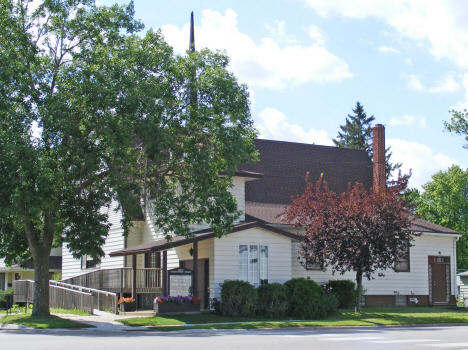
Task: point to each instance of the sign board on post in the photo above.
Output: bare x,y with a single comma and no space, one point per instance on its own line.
180,282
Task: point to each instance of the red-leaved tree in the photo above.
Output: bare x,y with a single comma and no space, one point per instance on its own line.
361,231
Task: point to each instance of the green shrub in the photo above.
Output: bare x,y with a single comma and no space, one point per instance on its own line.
344,290
238,298
216,306
305,299
3,297
330,302
272,300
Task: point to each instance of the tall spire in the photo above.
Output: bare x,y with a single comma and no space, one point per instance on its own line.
192,34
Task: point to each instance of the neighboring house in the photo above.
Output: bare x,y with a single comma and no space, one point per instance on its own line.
15,272
262,249
462,282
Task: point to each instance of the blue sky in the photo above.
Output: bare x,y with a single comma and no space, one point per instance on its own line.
307,62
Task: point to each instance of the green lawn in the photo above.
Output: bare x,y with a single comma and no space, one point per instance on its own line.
42,322
368,317
20,310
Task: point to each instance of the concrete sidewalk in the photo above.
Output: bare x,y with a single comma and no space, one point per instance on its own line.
103,321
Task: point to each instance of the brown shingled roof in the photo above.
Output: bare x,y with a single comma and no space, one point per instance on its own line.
284,166
267,212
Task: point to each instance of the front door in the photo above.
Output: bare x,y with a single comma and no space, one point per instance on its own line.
439,279
203,279
439,283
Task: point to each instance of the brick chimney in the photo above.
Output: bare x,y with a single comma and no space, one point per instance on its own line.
378,150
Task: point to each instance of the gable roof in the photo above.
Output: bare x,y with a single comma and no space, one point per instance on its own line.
284,166
201,235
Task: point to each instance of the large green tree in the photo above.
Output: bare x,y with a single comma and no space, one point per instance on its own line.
445,202
91,113
357,133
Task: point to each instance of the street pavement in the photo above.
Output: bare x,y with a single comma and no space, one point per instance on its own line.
433,337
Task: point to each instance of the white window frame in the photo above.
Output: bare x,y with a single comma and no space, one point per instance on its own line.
404,265
247,270
84,263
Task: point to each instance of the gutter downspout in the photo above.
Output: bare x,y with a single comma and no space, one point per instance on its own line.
455,267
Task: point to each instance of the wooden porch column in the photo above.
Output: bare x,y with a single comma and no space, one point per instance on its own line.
164,276
195,269
134,263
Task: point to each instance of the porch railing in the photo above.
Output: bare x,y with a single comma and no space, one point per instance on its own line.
148,280
67,296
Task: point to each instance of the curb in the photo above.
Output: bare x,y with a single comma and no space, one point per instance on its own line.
13,326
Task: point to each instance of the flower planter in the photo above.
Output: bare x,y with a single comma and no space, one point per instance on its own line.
128,307
173,308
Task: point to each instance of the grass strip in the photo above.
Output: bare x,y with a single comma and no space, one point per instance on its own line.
49,322
379,316
77,312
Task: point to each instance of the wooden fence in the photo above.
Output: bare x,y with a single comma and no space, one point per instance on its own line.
68,296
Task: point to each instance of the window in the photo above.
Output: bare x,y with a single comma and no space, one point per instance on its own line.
403,265
318,267
88,263
253,263
2,281
152,260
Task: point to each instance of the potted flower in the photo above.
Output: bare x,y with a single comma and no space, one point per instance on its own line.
176,305
127,304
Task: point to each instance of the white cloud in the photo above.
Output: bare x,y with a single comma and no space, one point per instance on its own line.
418,121
316,34
423,161
447,84
441,24
266,64
463,104
389,49
279,33
274,125
409,62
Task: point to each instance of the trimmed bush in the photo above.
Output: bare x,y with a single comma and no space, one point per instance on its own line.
306,299
3,301
330,303
238,298
344,290
272,300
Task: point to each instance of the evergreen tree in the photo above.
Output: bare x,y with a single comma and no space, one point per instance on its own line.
357,133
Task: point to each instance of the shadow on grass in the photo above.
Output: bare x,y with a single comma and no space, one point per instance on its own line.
49,322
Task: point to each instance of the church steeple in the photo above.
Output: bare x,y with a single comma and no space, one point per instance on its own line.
192,34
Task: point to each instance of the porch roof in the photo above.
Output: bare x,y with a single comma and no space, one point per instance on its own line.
201,235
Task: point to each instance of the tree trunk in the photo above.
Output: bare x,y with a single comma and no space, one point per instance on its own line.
40,247
41,291
359,287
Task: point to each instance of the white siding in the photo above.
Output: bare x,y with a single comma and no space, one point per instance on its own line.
405,283
141,233
464,286
205,251
238,190
115,241
56,251
226,256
